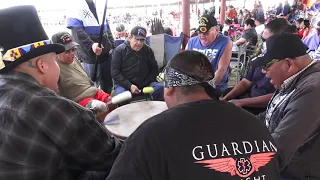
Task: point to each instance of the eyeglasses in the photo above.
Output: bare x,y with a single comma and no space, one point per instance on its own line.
70,50
269,64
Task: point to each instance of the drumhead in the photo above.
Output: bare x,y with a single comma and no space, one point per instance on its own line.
123,121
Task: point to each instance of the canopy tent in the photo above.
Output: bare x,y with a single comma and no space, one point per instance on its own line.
121,3
39,4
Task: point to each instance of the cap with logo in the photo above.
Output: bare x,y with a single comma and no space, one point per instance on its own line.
206,22
139,33
280,47
65,39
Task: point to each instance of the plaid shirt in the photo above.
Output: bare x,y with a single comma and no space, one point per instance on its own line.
287,82
43,135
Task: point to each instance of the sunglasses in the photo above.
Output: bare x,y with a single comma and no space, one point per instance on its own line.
269,64
70,50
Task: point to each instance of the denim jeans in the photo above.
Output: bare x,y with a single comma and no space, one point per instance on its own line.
157,94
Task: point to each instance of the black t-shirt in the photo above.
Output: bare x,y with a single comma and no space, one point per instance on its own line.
261,84
250,35
202,140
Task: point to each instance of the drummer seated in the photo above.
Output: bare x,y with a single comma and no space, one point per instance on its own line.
252,93
74,83
198,137
134,66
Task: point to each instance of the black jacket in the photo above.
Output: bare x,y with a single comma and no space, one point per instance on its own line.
130,67
84,50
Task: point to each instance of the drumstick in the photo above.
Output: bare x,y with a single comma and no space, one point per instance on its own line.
127,95
122,97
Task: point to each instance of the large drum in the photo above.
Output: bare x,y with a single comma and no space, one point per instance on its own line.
123,121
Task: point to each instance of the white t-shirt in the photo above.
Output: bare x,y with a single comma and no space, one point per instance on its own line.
264,48
259,29
225,29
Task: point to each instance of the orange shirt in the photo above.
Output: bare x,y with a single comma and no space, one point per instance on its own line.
231,14
308,3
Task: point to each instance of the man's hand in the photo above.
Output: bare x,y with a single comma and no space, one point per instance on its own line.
223,99
236,102
99,106
134,89
111,106
96,49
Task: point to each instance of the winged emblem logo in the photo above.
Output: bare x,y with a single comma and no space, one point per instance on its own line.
243,167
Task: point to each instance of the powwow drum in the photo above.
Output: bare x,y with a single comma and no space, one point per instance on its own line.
123,121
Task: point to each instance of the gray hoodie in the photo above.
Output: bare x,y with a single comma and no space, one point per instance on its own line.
295,125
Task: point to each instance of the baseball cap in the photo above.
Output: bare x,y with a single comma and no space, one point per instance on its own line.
139,32
65,39
120,28
206,22
281,46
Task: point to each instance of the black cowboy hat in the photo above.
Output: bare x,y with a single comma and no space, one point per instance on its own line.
22,37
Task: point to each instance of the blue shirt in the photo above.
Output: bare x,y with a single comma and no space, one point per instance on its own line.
214,52
261,84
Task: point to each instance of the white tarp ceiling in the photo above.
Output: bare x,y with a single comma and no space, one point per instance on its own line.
64,4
